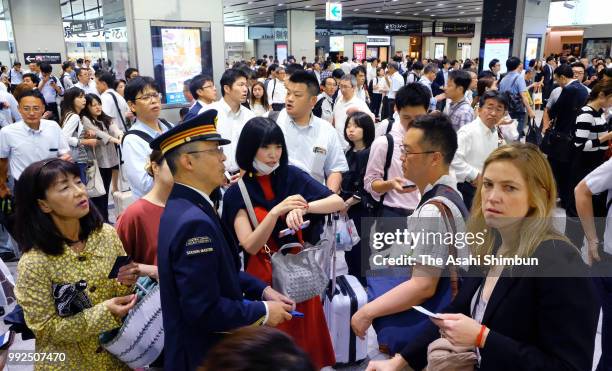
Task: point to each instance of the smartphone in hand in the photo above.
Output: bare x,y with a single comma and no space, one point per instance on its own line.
119,262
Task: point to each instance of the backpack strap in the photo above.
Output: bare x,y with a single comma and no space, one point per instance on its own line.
118,109
449,222
273,115
388,158
144,136
166,123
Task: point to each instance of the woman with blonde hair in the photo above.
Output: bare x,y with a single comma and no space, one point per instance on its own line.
509,315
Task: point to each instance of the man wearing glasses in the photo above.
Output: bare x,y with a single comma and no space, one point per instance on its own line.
204,295
202,88
476,141
144,100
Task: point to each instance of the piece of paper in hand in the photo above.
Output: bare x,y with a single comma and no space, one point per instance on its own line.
426,312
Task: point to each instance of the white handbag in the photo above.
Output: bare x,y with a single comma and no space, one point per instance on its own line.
95,185
140,340
122,198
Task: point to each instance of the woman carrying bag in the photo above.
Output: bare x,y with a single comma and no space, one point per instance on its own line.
281,196
109,135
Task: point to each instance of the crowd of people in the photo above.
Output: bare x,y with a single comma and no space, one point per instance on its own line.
201,206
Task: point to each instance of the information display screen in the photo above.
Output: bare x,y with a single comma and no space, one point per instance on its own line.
181,50
496,49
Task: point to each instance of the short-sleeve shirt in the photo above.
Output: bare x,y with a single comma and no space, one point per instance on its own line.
138,228
598,181
315,148
22,145
513,83
397,81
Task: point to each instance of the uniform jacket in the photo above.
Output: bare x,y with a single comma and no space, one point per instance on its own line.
203,291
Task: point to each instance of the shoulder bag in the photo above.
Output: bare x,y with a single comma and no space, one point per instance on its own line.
297,276
140,340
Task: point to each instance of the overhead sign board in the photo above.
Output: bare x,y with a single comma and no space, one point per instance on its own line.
51,58
87,25
333,11
378,40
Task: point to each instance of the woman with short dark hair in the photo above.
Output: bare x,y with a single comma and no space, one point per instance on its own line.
359,132
63,284
282,195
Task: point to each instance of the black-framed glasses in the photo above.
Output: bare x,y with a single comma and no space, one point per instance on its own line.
149,97
207,86
215,151
405,152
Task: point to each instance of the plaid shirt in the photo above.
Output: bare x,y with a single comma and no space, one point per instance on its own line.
460,113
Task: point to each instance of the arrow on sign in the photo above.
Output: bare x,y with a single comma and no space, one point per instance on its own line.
30,59
335,11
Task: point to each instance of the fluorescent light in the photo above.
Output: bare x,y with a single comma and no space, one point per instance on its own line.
397,12
378,11
307,6
356,10
461,12
426,10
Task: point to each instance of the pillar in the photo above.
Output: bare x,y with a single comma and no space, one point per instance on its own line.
38,28
301,34
515,20
140,13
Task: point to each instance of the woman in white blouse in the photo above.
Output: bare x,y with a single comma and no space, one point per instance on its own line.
109,135
259,99
72,128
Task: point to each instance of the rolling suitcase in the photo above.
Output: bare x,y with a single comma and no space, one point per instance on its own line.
339,306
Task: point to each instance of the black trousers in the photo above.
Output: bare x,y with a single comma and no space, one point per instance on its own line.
101,202
375,103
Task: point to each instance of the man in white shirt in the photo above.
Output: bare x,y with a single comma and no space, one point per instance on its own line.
231,114
346,66
316,69
85,83
348,86
203,90
113,104
9,109
50,88
325,101
313,144
144,100
372,66
429,74
362,90
276,89
476,141
395,81
30,140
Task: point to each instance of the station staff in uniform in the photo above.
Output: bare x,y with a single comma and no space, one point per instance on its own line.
203,292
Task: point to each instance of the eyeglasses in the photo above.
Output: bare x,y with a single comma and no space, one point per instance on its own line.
406,153
207,86
149,97
215,151
497,110
32,109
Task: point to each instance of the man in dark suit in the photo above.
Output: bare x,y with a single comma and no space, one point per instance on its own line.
564,112
441,80
203,90
203,292
548,80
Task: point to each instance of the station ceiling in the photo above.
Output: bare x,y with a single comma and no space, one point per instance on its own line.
261,12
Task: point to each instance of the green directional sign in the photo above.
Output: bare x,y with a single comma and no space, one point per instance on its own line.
333,11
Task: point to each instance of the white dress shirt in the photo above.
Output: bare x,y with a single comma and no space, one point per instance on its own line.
89,89
475,143
22,145
276,92
340,115
135,152
10,114
314,148
110,108
397,81
229,126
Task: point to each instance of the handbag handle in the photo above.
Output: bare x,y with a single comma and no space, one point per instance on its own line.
291,245
248,203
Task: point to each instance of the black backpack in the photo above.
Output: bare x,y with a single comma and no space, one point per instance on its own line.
375,207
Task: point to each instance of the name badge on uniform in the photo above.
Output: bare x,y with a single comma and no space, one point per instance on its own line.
320,150
198,246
